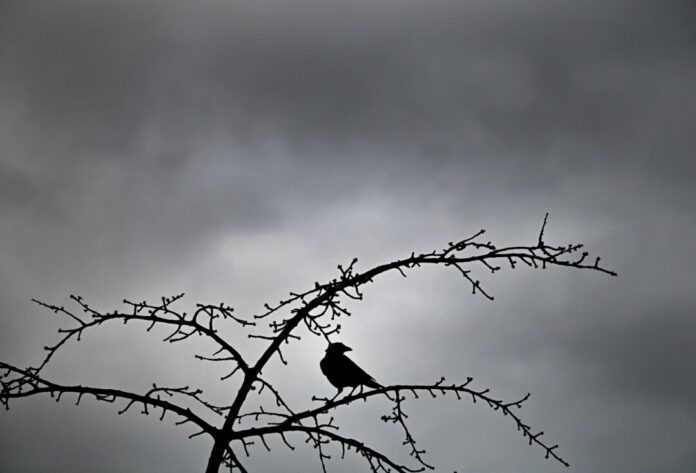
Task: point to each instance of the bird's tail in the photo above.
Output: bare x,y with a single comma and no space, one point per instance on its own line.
373,384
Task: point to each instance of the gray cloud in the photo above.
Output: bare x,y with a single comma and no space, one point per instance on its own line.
240,150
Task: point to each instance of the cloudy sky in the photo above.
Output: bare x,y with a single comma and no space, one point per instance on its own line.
237,150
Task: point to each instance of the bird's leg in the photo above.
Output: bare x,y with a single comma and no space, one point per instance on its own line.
337,394
352,390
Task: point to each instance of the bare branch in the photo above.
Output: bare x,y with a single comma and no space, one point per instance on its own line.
377,460
231,460
320,310
183,326
18,383
438,388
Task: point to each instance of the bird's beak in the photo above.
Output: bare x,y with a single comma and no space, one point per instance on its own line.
349,349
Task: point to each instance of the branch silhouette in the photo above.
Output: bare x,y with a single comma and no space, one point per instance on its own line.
319,310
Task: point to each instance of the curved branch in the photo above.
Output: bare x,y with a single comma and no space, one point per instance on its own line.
376,459
540,256
161,315
438,388
28,383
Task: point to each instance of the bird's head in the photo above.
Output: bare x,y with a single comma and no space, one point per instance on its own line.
337,348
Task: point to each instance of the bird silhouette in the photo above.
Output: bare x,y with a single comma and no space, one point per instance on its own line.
342,372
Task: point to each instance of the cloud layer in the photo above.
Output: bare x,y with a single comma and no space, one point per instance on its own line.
236,151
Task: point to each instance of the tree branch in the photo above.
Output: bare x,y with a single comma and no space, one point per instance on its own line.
376,459
162,315
319,310
438,388
19,383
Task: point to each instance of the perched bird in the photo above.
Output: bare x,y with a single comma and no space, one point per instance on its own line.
342,372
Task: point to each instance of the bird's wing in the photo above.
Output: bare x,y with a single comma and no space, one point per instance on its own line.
357,375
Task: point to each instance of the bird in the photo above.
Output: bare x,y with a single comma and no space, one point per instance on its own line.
342,372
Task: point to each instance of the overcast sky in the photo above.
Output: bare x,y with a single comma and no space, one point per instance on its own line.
237,150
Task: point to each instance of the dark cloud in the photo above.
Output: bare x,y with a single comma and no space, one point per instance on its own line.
648,358
450,74
239,150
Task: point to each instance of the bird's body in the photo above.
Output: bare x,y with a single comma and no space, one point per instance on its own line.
342,372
